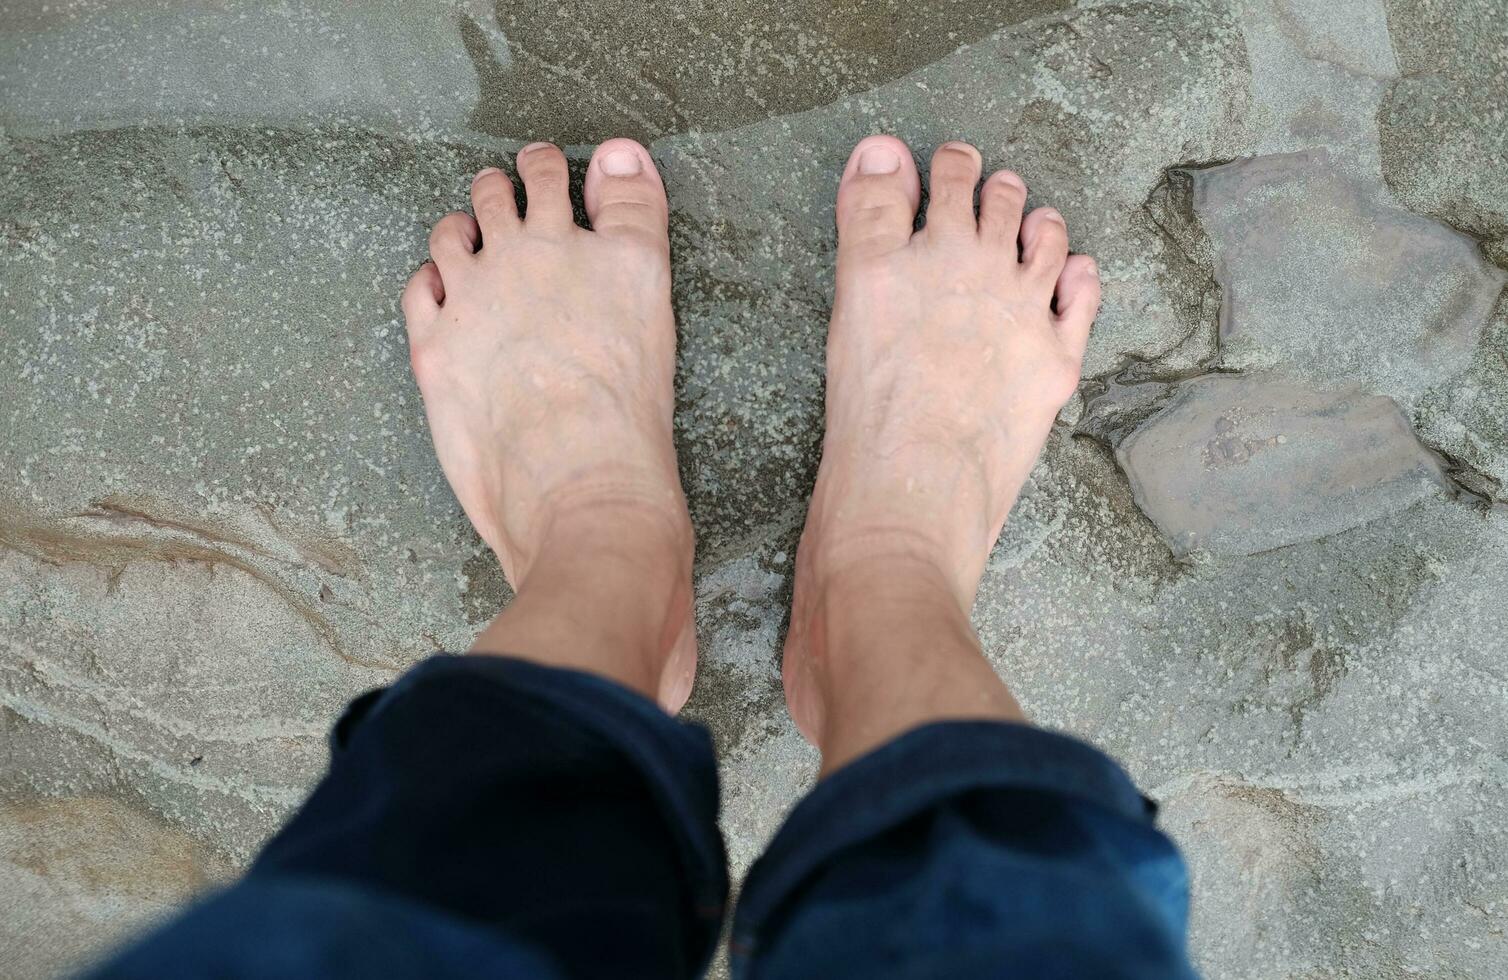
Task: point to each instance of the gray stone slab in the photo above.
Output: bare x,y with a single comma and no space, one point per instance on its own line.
1237,465
1324,278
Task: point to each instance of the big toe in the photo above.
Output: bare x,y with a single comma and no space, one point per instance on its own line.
878,197
624,193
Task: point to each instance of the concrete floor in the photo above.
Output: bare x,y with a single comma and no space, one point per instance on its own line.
1264,560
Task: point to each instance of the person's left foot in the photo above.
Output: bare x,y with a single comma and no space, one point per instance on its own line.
545,354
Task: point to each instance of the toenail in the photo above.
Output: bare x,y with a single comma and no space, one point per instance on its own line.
1091,268
879,160
532,147
484,172
1051,214
1006,177
621,163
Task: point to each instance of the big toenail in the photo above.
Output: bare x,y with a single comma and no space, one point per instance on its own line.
621,163
879,160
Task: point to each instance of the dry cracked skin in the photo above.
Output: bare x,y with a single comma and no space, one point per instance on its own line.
221,517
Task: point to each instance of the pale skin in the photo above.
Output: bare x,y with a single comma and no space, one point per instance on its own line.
545,353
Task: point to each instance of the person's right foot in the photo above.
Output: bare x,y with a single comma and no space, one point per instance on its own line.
950,352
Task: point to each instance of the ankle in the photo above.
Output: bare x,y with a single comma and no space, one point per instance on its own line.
864,562
891,648
884,599
606,590
627,554
615,525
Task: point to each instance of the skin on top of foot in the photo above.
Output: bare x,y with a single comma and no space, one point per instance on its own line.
545,354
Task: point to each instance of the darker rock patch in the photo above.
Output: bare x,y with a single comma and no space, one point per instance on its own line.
583,69
486,591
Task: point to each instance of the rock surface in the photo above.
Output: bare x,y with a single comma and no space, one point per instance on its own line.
72,868
1237,465
220,517
1407,296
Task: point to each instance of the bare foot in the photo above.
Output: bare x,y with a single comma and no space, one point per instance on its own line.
950,352
545,354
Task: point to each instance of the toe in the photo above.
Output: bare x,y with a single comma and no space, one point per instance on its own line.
494,203
1078,300
547,187
453,241
624,194
878,197
1044,245
951,182
423,295
1000,202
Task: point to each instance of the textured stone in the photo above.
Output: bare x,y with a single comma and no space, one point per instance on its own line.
1239,465
78,874
220,516
1444,123
96,63
1323,278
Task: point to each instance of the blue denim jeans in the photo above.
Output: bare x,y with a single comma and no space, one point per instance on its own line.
485,816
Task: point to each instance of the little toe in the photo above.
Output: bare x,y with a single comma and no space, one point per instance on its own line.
1044,245
453,241
423,295
1077,301
878,197
950,184
1000,202
493,200
624,193
547,187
